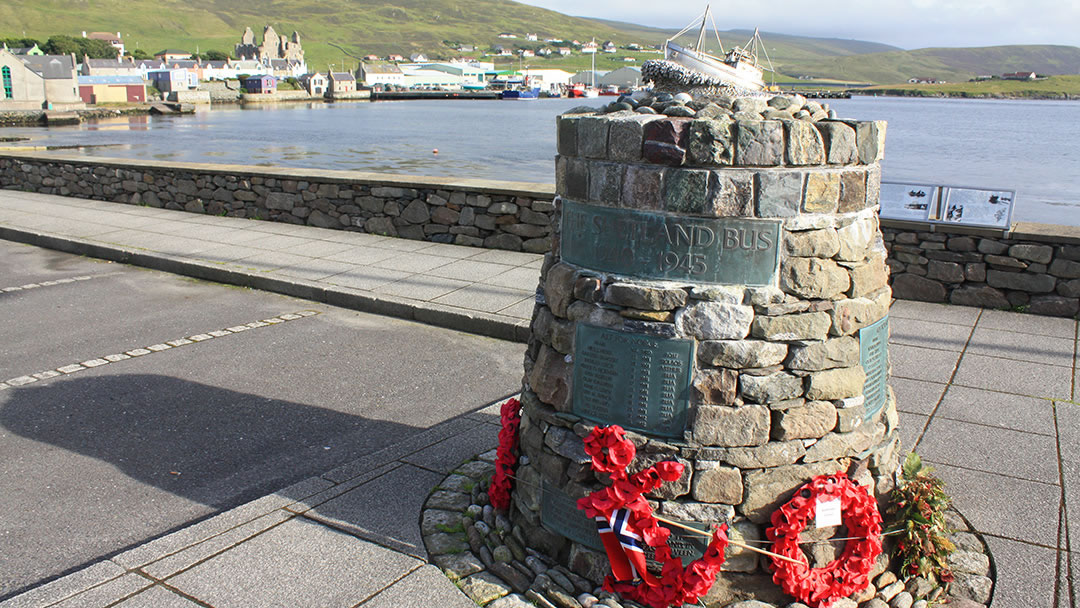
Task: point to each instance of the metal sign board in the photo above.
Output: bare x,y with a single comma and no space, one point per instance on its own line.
637,381
685,545
907,201
730,251
559,514
977,207
874,358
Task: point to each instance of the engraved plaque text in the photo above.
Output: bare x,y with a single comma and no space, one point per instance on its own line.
874,358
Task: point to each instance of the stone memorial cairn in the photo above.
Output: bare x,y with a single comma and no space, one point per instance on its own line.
717,286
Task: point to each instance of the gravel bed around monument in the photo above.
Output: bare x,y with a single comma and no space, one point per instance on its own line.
491,562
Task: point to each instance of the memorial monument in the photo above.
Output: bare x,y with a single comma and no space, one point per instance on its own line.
717,287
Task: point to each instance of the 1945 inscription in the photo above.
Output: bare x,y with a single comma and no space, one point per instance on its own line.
656,246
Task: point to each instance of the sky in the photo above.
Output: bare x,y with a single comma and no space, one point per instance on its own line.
908,24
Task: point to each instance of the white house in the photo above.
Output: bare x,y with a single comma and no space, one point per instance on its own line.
372,74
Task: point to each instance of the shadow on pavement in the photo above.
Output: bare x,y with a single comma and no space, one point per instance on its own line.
141,455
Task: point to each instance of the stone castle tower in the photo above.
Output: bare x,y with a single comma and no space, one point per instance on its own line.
272,47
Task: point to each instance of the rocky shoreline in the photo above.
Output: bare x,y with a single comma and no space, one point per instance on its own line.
36,118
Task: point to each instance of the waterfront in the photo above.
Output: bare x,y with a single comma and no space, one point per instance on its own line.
1029,146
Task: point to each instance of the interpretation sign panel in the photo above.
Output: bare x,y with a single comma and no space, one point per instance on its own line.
874,358
912,202
731,251
973,207
559,514
637,381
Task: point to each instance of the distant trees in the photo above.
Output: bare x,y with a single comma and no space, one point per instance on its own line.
217,56
139,55
66,45
20,42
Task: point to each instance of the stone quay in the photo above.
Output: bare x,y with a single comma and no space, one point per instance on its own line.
718,287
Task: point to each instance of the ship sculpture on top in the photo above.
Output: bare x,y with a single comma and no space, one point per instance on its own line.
691,69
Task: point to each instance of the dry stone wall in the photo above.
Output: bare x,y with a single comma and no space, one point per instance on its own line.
774,391
1034,271
492,215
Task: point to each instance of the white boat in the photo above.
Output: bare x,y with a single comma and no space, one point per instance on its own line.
738,67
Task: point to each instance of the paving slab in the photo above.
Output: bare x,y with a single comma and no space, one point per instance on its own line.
918,363
929,334
445,456
157,597
1017,377
1017,509
425,586
941,313
299,563
1029,324
1004,410
1049,350
1027,576
916,396
991,449
385,510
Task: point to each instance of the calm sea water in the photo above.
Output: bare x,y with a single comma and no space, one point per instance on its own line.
1032,147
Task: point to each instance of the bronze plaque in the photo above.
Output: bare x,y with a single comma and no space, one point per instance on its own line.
559,514
730,251
874,358
637,381
685,545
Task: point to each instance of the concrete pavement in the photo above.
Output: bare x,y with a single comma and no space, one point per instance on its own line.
986,397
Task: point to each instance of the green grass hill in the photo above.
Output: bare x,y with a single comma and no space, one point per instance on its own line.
382,27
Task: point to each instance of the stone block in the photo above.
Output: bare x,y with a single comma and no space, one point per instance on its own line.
551,378
643,297
869,277
840,146
824,243
626,137
710,142
870,137
592,137
908,286
686,190
577,179
1021,281
759,143
741,354
705,320
416,212
946,272
779,193
812,420
873,186
840,445
813,278
730,194
1054,306
715,386
975,272
673,131
605,183
822,192
663,154
724,426
559,288
1040,254
827,354
804,143
771,388
839,383
642,187
1065,269
857,239
801,326
716,484
380,225
772,454
768,489
960,243
852,191
281,201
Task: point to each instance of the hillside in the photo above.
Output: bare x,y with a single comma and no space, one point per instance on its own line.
1054,87
409,26
953,65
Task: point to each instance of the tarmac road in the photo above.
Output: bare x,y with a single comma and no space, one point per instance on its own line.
120,450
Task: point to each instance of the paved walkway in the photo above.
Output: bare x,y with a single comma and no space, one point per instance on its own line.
481,291
987,397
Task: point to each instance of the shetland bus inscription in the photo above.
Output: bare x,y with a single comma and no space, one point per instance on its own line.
731,251
559,514
639,382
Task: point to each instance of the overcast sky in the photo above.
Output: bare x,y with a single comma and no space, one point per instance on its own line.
908,24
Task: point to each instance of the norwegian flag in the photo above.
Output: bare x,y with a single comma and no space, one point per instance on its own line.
623,546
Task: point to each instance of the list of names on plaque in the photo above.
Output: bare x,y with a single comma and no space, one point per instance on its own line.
637,381
874,358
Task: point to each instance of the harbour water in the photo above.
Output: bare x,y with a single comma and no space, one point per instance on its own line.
1032,147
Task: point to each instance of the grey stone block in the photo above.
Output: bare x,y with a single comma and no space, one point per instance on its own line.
779,193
